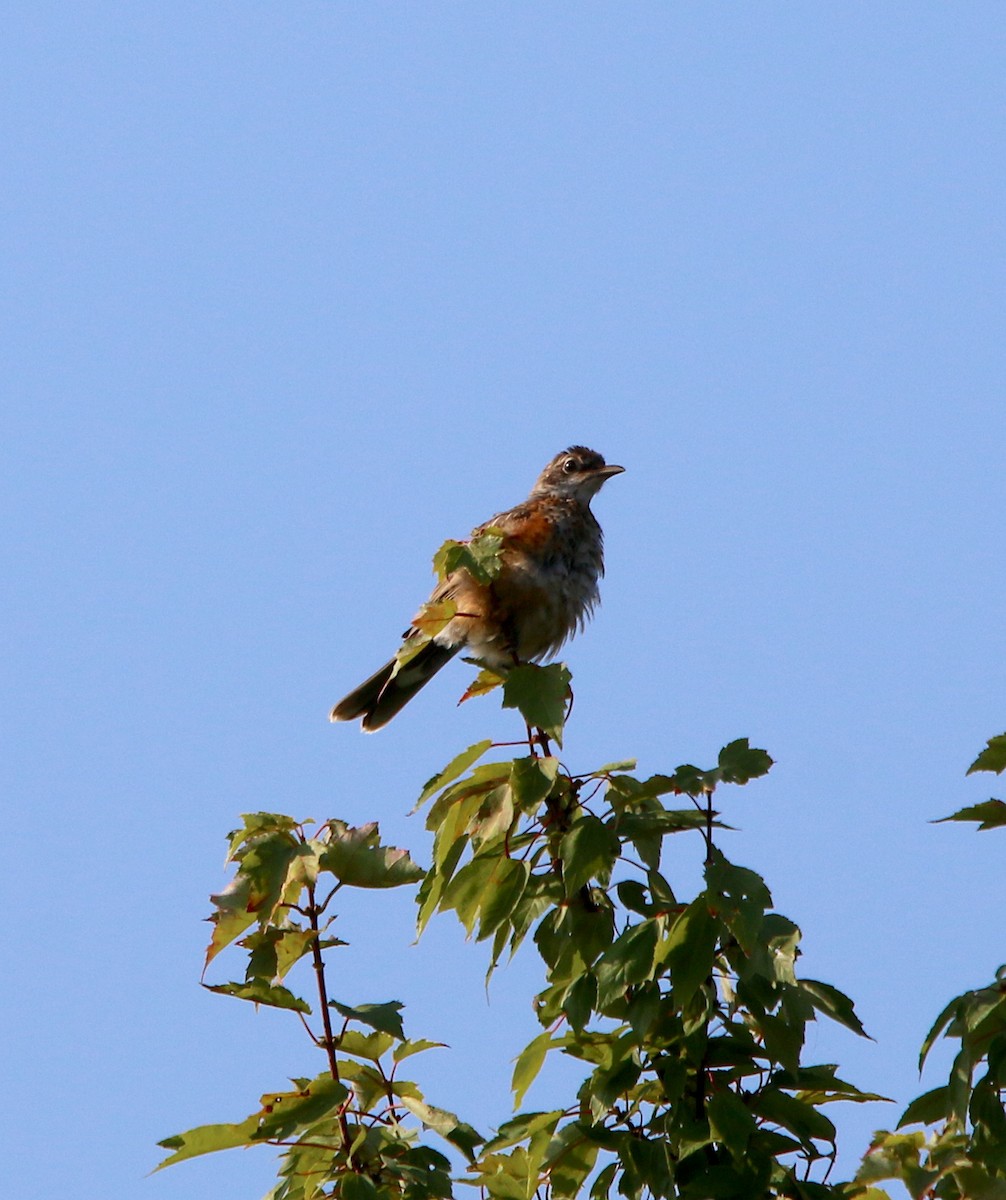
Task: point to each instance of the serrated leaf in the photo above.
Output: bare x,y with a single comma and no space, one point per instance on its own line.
992,758
939,1025
259,991
356,858
529,1062
456,767
531,780
370,1046
356,1187
799,1117
206,1139
927,1109
990,814
628,960
540,694
588,850
486,681
570,1159
406,1049
689,949
730,1121
272,868
286,1113
833,1003
452,1130
432,618
522,1128
506,886
739,762
273,951
480,556
385,1017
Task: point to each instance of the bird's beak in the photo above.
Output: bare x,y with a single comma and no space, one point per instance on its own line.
608,470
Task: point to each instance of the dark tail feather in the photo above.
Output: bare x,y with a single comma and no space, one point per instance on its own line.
385,694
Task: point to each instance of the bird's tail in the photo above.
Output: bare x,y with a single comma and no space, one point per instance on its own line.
387,692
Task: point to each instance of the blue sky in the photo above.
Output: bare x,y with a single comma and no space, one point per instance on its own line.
295,291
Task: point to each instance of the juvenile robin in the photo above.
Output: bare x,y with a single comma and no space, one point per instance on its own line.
551,559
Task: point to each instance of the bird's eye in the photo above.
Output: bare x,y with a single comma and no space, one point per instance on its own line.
570,465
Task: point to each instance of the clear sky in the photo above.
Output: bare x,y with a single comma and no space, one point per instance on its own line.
292,292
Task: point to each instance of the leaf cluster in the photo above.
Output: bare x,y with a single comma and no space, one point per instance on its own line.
356,1126
687,1013
963,1155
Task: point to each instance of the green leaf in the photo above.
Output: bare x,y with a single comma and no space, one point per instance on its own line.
939,1025
445,1123
273,951
579,1000
522,1128
206,1139
506,886
628,960
730,1121
385,1017
739,762
531,780
406,1049
480,556
356,1187
356,858
588,851
286,1113
992,758
456,767
741,898
369,1046
261,992
927,1109
271,871
540,694
601,1186
689,949
990,814
833,1003
570,1159
528,1063
432,618
800,1118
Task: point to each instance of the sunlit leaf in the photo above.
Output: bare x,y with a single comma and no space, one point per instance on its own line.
531,780
356,858
261,992
480,557
206,1139
457,1132
588,851
456,767
284,1113
529,1063
486,681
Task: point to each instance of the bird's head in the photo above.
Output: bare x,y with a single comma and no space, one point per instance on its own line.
576,472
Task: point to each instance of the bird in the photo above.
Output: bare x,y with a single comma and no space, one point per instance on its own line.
546,588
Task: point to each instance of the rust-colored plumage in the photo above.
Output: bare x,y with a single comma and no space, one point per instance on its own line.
547,587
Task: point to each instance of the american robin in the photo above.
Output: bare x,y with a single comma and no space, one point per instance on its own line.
545,589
